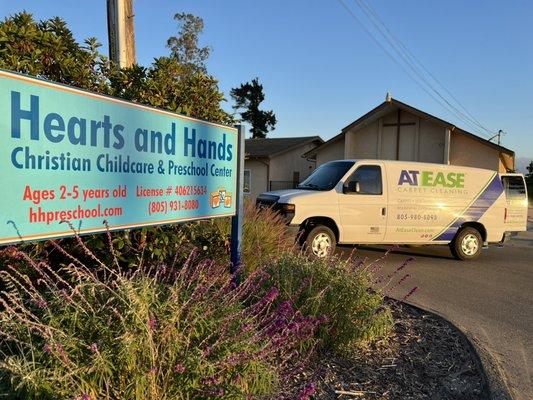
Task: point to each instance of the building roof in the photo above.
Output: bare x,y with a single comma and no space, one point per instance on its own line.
391,105
270,147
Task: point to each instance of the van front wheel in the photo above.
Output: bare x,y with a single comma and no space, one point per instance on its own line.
320,242
467,244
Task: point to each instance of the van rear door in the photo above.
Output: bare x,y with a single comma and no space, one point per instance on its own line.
515,218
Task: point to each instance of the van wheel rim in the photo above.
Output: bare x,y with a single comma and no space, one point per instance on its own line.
470,244
321,245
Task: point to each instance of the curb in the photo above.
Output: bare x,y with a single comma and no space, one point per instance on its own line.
495,386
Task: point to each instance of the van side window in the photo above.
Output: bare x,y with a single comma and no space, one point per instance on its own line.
514,187
369,178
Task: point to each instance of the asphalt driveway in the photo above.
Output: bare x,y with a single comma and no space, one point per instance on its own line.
490,299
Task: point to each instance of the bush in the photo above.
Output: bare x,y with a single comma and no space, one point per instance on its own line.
340,290
48,49
264,238
161,332
175,328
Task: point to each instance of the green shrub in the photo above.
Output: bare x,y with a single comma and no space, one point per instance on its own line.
161,332
264,238
338,289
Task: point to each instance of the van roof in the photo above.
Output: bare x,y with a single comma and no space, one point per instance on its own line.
372,160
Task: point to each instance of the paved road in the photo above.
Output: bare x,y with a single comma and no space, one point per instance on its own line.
491,299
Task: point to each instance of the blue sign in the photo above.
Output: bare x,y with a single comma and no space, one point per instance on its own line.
71,155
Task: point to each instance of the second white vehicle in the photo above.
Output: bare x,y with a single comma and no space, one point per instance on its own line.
405,203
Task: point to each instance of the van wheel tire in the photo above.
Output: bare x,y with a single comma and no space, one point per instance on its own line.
467,244
320,242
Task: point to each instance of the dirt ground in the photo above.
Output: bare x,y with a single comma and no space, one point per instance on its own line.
426,358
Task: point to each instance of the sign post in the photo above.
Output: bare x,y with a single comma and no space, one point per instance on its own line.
237,219
72,155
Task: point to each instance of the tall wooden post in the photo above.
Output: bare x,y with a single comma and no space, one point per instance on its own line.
121,32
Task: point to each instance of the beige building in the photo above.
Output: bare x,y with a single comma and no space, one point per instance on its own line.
396,131
273,164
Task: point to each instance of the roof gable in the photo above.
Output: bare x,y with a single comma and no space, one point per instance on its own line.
391,105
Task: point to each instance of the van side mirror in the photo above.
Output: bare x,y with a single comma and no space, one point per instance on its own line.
351,187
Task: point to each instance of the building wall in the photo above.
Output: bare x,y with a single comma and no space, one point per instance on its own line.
420,140
333,151
282,167
431,142
509,162
410,135
471,153
364,144
259,177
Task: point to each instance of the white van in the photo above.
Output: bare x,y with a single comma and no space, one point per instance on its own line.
405,203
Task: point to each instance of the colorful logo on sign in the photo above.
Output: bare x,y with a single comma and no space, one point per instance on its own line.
221,198
431,178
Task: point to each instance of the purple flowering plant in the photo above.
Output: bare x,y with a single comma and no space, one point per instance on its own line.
337,291
101,331
121,316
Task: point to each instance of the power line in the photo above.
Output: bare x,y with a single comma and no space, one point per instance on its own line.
375,15
405,57
400,48
393,59
413,72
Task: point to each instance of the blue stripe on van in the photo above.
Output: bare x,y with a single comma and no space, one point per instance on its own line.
476,210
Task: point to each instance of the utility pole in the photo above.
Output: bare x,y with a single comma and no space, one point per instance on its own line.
121,32
499,136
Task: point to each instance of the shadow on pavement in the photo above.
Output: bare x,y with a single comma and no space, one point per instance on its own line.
423,251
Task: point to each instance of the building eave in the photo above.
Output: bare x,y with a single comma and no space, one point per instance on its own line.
311,140
324,144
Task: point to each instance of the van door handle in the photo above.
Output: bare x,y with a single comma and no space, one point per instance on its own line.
384,211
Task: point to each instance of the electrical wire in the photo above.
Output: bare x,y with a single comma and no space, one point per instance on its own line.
408,66
454,110
406,50
392,58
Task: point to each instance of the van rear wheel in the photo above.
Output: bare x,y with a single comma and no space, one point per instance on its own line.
320,242
467,244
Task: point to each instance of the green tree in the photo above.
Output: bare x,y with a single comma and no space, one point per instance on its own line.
530,169
248,98
170,85
47,49
184,47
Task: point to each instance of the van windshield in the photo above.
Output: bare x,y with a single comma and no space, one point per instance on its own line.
326,176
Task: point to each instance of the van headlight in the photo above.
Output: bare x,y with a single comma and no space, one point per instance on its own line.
287,208
287,211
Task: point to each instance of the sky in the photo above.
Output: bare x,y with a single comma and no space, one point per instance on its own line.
321,70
